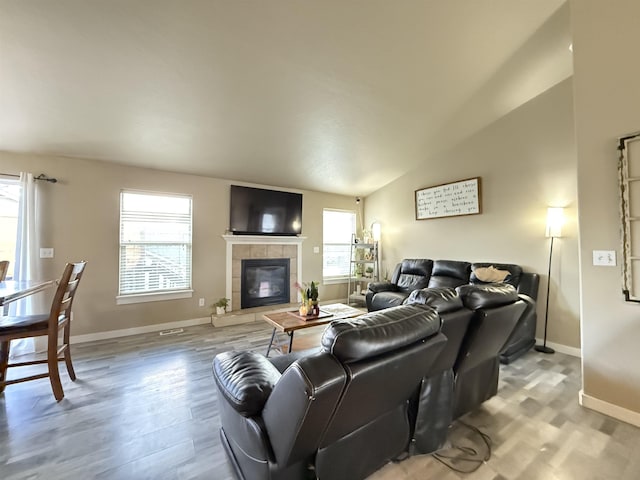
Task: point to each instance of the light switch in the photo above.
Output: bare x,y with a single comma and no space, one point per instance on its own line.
46,253
604,258
316,249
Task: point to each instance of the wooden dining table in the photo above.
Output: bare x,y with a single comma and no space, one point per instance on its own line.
12,290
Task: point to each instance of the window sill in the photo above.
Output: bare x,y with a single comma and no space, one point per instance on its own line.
335,280
153,297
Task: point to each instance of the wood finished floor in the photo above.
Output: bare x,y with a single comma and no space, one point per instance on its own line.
144,407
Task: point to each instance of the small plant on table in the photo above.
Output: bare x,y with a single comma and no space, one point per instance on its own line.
309,294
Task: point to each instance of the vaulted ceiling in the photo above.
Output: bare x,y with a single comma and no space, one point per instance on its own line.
335,95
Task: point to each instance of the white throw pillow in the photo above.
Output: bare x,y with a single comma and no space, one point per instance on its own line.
491,274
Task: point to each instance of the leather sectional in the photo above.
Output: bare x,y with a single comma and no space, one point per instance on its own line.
418,273
380,387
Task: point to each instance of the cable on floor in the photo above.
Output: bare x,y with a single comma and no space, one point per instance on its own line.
466,455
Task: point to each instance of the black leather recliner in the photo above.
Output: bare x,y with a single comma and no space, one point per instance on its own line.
523,336
382,386
497,310
477,320
408,275
434,410
343,411
416,274
272,422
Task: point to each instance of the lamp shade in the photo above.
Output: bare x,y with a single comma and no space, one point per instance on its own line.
555,221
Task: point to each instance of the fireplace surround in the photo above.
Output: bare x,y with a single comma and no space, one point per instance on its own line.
242,247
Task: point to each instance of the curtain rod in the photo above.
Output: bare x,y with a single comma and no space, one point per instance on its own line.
42,177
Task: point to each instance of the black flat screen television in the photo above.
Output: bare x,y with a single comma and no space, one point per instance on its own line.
257,211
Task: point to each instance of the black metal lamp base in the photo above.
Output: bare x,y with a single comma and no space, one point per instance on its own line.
544,349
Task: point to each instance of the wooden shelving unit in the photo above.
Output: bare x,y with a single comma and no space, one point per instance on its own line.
364,269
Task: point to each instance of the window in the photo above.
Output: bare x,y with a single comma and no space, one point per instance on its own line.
629,188
338,226
155,247
9,200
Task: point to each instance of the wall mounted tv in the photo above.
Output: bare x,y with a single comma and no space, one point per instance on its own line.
257,211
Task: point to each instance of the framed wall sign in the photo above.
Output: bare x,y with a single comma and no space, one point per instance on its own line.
463,197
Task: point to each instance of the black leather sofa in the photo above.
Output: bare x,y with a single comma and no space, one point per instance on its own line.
342,412
419,273
477,321
381,387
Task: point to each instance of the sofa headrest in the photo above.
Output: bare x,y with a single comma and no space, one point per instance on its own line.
513,278
441,299
408,282
475,297
449,273
413,273
375,333
416,266
246,380
451,268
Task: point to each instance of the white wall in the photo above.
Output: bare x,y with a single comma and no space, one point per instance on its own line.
80,220
527,162
607,76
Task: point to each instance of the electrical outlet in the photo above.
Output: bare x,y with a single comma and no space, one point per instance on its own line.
316,249
201,302
604,258
46,253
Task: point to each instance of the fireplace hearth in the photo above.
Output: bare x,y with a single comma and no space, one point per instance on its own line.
264,281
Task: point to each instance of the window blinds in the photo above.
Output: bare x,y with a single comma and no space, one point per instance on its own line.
155,243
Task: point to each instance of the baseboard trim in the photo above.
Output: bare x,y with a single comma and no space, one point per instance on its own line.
254,314
609,409
231,318
125,332
558,347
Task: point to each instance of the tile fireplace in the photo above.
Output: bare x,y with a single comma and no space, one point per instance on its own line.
260,247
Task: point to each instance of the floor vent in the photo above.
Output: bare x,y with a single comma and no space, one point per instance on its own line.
171,331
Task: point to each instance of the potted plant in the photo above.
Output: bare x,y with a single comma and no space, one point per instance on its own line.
313,293
309,294
221,306
369,272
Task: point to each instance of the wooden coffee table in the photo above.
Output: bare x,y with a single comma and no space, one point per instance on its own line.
289,321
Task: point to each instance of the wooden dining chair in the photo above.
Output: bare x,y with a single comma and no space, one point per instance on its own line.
58,319
4,268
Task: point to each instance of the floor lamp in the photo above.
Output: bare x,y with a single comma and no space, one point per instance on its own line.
555,219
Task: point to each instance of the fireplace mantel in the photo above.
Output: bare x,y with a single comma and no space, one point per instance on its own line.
263,239
232,240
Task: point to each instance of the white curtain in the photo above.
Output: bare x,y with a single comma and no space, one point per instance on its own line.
26,266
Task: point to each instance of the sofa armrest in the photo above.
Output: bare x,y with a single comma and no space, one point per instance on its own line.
476,297
282,362
245,380
529,284
377,287
442,299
